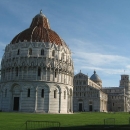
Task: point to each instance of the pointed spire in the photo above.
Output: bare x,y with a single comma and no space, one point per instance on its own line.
80,71
94,72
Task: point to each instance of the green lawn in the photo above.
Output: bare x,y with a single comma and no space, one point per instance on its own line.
12,121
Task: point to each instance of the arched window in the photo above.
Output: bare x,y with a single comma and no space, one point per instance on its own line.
55,74
39,71
53,53
18,52
42,51
55,94
30,51
16,71
64,94
42,93
28,93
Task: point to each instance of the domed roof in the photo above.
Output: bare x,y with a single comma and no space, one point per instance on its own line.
38,31
95,77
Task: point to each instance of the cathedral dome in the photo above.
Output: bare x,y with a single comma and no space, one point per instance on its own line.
95,77
38,31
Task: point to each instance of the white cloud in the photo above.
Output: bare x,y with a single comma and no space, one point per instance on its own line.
101,59
88,57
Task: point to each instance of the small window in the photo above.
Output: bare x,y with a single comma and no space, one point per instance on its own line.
53,53
39,71
28,92
54,93
55,74
64,94
42,93
18,52
16,71
113,104
42,52
30,51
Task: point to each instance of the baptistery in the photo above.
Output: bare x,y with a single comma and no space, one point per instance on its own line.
37,71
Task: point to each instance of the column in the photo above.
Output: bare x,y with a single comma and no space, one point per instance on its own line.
68,106
22,71
36,71
46,74
1,99
71,103
20,100
59,101
10,100
36,100
58,75
10,74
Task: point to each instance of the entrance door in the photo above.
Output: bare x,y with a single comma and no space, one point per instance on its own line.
16,104
90,108
80,106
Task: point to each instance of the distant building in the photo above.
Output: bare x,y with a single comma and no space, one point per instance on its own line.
89,95
37,71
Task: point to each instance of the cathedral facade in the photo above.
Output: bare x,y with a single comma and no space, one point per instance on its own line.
89,95
37,71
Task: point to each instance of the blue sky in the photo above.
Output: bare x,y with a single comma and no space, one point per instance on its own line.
96,31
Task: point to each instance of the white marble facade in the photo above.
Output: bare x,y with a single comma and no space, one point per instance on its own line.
37,76
89,95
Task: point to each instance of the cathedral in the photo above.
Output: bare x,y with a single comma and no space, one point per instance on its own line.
89,95
37,71
37,75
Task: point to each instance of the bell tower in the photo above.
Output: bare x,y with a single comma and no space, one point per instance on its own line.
124,82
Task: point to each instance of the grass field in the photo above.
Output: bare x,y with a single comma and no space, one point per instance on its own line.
13,121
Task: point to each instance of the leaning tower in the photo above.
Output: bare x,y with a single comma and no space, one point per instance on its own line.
37,71
125,83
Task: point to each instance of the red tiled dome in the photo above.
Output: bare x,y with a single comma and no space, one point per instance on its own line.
38,31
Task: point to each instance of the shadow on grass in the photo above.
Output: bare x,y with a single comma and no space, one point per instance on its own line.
97,127
89,127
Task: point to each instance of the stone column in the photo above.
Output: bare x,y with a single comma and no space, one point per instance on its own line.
54,75
20,100
68,103
36,71
71,102
60,101
1,99
46,74
10,100
22,71
58,75
36,100
10,74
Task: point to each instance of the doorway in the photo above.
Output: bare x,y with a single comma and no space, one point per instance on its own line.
16,104
90,108
80,106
